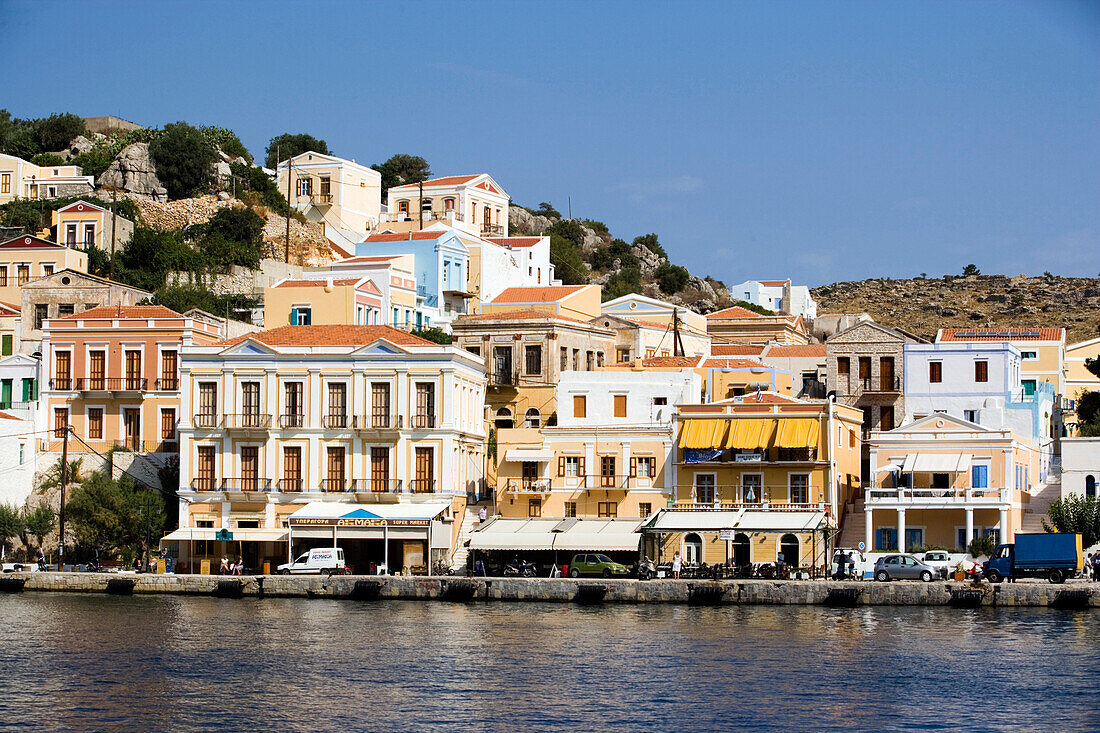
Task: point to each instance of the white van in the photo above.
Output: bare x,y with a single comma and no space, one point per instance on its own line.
319,560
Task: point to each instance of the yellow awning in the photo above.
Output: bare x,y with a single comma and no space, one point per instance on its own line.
750,433
700,434
798,433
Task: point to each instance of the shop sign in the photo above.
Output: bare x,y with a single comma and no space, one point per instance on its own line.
357,522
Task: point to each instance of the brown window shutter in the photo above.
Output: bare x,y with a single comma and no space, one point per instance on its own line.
561,465
633,467
582,472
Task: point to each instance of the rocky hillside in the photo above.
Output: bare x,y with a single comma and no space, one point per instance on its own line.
922,305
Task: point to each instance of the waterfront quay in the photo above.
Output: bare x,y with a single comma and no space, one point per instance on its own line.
567,590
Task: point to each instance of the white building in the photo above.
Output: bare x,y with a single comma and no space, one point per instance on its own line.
17,458
980,382
644,327
777,295
19,375
476,204
1080,466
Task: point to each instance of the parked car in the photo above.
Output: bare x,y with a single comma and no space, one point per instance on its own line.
318,561
939,559
903,567
596,564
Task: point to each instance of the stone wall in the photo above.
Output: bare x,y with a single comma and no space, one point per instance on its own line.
241,279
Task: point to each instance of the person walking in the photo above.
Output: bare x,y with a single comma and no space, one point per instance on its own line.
1096,567
677,563
482,515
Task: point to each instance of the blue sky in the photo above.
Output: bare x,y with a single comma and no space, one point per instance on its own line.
823,142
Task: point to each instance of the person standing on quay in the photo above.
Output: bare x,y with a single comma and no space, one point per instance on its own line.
677,563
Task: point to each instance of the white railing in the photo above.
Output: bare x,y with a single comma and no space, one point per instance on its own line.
937,496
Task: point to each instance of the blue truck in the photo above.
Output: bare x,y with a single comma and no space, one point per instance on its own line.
1054,556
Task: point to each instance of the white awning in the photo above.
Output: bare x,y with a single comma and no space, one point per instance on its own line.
936,463
703,520
209,533
896,466
518,455
572,535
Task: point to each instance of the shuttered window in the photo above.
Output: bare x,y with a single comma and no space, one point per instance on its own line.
205,468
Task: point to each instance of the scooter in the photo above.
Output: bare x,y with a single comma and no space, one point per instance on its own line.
647,570
520,568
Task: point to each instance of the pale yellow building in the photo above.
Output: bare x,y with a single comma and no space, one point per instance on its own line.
332,192
332,301
85,225
26,258
581,302
742,326
1078,378
20,179
472,203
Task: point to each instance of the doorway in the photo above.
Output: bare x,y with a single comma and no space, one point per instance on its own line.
788,547
693,549
741,551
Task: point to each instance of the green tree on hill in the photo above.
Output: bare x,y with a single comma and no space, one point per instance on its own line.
649,241
57,131
671,278
401,169
183,157
567,260
289,144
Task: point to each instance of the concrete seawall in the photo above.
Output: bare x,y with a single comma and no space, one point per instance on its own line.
566,590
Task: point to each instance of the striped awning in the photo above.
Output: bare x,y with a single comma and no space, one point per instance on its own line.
798,433
750,433
697,433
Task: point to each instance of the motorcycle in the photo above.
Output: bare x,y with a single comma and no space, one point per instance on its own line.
647,570
520,568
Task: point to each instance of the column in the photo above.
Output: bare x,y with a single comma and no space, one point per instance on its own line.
901,530
1004,525
969,526
869,529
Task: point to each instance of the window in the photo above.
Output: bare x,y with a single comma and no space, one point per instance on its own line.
935,371
580,406
250,403
204,473
970,416
504,418
62,366
326,187
752,488
599,358
30,389
607,509
843,366
475,350
334,478
133,370
379,469
533,419
864,368
570,509
607,472
643,466
448,204
660,401
645,508
250,468
620,405
622,355
425,405
5,183
403,208
941,481
3,276
305,186
380,404
886,419
529,472
89,236
589,360
979,476
301,315
1090,486
886,539
95,423
40,310
534,507
60,421
571,466
23,274
981,371
1029,387
169,361
208,405
425,471
704,488
292,469
131,426
70,235
337,405
1029,355
47,270
97,361
168,424
800,488
532,360
576,360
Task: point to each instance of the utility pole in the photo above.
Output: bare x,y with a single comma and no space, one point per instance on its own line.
61,513
290,208
114,225
677,342
569,200
420,205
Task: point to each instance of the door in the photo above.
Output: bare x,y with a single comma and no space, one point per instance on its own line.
5,394
131,418
250,404
740,550
908,569
379,469
503,355
530,473
425,471
607,472
752,485
250,468
133,370
292,469
335,474
788,545
380,405
693,549
337,405
425,405
97,369
204,480
886,373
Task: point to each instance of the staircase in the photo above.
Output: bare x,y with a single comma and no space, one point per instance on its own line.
469,521
854,527
1041,499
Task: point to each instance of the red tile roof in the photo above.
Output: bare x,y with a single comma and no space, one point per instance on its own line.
405,236
545,294
772,283
735,350
365,259
14,309
665,361
443,181
518,315
796,350
6,416
329,336
316,283
735,312
727,363
515,241
127,311
1001,334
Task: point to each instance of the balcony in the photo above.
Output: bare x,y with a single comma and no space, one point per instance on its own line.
290,485
752,497
503,378
378,421
883,385
527,486
579,483
336,421
246,484
167,384
423,421
247,421
926,498
205,420
317,199
726,506
204,484
492,230
422,486
337,485
113,384
291,420
730,459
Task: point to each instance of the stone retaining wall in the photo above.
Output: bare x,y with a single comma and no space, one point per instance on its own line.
565,590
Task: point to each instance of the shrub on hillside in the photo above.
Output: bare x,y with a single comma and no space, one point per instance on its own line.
401,169
671,278
604,257
567,260
253,178
57,131
570,229
649,241
288,145
226,141
47,159
183,298
183,157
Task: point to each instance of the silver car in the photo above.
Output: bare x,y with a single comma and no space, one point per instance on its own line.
903,567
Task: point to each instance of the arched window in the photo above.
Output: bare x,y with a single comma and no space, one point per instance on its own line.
426,205
448,204
532,419
788,547
741,553
504,418
403,207
1090,485
693,549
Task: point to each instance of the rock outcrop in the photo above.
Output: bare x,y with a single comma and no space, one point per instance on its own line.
133,172
521,221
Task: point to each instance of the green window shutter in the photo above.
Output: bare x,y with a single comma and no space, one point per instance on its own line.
7,344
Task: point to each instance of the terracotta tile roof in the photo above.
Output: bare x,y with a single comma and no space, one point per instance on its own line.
515,241
665,361
518,315
726,363
1001,334
735,312
406,236
545,294
6,416
329,336
14,309
796,350
735,350
316,283
443,181
126,311
365,259
772,283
